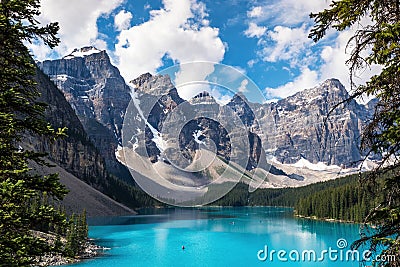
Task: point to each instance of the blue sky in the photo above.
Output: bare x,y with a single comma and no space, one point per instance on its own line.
266,41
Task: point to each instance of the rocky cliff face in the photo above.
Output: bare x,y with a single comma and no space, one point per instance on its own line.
308,127
76,157
240,105
97,93
75,153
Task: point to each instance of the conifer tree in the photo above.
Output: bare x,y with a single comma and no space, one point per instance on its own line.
376,41
23,207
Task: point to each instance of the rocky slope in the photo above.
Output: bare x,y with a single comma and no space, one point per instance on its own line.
82,196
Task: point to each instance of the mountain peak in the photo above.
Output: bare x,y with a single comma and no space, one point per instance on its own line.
240,105
333,81
331,91
334,84
143,78
156,85
202,94
203,98
239,97
82,52
334,89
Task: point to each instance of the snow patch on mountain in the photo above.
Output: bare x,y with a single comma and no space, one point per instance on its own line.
157,138
320,166
196,136
82,52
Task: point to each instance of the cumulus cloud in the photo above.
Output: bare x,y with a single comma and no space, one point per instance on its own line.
122,20
254,30
289,12
287,43
255,12
333,58
78,24
307,79
191,79
181,31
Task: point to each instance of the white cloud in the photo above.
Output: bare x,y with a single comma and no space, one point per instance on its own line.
288,44
77,20
39,50
290,12
255,12
333,65
288,41
251,62
221,99
333,58
190,79
180,30
122,20
243,86
254,30
307,79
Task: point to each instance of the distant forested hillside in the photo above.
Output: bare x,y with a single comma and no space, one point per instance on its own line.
340,199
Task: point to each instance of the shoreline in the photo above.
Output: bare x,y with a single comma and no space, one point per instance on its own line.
315,218
91,251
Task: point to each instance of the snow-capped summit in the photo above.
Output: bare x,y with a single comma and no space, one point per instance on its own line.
82,52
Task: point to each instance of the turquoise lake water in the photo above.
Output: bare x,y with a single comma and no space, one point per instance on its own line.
220,237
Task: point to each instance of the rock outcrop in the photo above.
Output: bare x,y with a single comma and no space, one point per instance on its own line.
75,153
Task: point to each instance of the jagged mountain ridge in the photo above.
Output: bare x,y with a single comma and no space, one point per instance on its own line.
200,115
308,127
301,126
170,131
310,141
296,127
